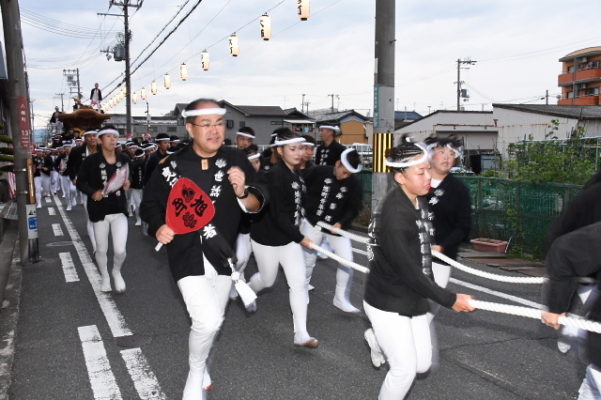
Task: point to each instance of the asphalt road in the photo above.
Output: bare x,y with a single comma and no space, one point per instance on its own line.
481,354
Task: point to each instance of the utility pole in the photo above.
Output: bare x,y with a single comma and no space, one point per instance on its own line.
62,102
547,97
20,123
383,97
303,103
332,96
69,74
126,4
459,63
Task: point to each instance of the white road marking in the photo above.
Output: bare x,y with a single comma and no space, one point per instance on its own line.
56,228
113,316
48,200
144,379
502,295
51,211
68,267
101,377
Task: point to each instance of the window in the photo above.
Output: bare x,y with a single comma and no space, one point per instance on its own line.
241,124
229,123
278,123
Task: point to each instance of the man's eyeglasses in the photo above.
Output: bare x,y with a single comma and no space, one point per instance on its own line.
206,125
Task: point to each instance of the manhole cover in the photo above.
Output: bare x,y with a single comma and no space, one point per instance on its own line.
59,244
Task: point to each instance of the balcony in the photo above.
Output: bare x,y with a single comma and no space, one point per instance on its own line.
580,101
579,76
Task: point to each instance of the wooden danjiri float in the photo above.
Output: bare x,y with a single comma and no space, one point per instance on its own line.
83,119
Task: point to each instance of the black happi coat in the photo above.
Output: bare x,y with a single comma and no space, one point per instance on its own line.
450,202
47,164
151,163
279,223
400,278
186,251
137,167
76,157
575,254
330,200
328,155
90,179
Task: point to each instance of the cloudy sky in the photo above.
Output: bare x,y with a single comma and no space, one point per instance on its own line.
516,42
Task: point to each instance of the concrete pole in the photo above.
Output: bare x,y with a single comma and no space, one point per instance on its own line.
383,96
19,119
128,129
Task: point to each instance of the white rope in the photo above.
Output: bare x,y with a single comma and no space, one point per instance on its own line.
495,277
352,236
531,280
341,260
580,323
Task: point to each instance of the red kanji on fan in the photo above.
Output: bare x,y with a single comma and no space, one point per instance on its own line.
189,208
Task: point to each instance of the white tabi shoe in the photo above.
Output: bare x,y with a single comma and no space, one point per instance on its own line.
345,305
377,358
119,282
105,285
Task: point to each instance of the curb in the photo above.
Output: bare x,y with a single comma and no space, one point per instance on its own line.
9,315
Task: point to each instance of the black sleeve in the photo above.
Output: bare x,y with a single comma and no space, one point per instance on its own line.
154,201
395,245
282,207
354,204
253,183
575,254
461,230
85,176
151,164
72,166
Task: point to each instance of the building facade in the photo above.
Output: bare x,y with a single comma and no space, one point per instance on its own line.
580,78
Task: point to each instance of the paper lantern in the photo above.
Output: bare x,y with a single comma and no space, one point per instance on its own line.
134,97
303,9
153,87
265,23
167,81
143,93
205,61
183,71
233,43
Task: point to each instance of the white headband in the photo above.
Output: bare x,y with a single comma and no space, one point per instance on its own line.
432,146
288,141
161,139
248,135
107,131
90,132
406,164
347,165
254,156
308,144
334,128
139,155
203,111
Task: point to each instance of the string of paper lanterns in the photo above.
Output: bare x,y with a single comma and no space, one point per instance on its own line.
303,12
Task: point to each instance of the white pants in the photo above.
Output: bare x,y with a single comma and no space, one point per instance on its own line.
442,274
46,185
37,181
405,341
206,297
243,251
135,198
290,257
591,385
68,190
341,246
116,225
55,179
89,225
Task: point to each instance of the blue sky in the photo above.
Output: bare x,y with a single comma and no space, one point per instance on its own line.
516,43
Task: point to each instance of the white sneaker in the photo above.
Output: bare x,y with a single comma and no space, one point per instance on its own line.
377,358
69,208
310,287
563,347
138,223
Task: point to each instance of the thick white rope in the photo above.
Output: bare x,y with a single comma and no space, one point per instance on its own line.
580,323
530,280
495,277
341,260
352,236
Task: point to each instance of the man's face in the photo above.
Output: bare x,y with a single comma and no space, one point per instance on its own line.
340,171
243,142
90,139
207,131
164,145
308,153
326,134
